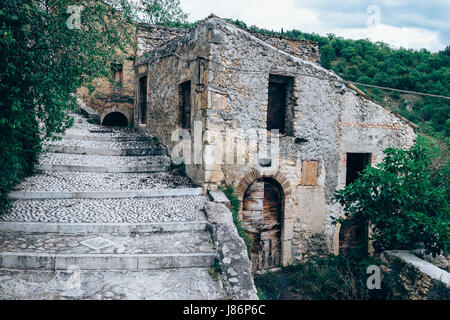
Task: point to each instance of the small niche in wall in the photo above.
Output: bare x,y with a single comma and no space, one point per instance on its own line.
310,172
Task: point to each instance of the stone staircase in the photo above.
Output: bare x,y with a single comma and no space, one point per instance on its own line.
104,219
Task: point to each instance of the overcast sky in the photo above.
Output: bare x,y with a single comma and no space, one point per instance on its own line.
410,24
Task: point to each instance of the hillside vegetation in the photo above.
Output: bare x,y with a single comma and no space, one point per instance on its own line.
372,63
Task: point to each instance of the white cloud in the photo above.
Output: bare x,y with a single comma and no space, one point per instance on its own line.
288,14
413,38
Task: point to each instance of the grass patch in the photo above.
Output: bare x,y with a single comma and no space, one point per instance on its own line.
234,207
321,278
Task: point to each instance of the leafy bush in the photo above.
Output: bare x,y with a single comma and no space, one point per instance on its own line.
405,199
43,62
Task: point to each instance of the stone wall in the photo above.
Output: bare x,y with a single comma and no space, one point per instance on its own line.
167,67
412,278
326,120
304,49
150,36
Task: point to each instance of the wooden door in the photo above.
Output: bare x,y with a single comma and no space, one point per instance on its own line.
262,213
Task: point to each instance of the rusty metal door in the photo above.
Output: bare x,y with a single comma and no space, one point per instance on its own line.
262,212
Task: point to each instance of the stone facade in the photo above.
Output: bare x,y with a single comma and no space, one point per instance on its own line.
109,97
230,71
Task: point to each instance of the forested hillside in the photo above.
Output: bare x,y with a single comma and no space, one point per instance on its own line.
377,64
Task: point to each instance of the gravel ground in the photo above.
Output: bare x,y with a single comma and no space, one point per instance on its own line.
92,181
131,210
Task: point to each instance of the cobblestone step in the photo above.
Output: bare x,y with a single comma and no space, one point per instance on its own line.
92,151
196,284
65,181
127,210
109,243
28,195
109,228
154,251
117,164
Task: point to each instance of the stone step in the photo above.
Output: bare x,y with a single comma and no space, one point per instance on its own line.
118,164
28,195
106,243
108,228
153,251
134,252
66,181
89,136
91,151
168,284
127,210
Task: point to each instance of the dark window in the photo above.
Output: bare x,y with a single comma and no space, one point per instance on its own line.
185,105
356,162
142,99
117,74
280,97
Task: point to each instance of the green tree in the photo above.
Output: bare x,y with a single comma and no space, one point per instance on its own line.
405,199
162,12
46,53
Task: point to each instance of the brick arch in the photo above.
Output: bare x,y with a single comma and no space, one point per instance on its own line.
253,175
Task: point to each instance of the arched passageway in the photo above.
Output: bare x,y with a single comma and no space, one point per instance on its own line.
115,119
353,236
262,218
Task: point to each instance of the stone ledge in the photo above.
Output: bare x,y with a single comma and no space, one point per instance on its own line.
235,265
425,267
132,262
219,197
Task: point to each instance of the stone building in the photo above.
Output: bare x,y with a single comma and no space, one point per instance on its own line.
229,89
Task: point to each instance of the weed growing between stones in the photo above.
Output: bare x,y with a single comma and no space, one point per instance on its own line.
234,207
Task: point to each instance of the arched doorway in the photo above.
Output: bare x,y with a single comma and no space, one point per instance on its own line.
115,119
262,218
353,236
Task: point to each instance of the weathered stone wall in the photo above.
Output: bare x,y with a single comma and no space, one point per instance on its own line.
304,49
412,278
150,37
107,98
167,67
329,118
326,120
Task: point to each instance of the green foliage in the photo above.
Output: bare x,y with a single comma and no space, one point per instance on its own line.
215,270
162,12
405,199
43,62
322,278
235,205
